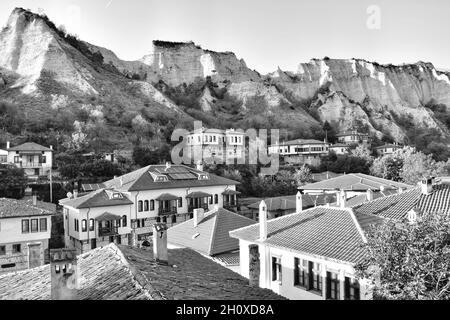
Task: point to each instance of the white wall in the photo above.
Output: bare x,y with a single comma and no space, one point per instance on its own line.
11,230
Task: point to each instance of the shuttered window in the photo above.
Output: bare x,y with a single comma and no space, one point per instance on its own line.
332,286
25,226
352,290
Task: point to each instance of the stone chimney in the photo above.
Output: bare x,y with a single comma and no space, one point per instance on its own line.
34,199
299,202
200,165
343,198
427,185
254,266
8,145
199,214
262,221
75,193
51,147
369,195
64,274
160,243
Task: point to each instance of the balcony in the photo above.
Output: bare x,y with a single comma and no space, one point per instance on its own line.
167,211
30,165
108,231
203,206
231,206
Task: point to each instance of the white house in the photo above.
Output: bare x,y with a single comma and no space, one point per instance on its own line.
340,148
25,228
3,156
387,149
308,255
157,193
304,151
36,160
353,137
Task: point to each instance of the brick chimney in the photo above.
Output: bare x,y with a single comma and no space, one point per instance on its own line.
427,185
64,274
254,266
199,214
160,243
262,221
369,195
342,198
34,199
299,202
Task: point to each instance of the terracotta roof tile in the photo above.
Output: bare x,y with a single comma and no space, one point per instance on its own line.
23,208
29,146
97,198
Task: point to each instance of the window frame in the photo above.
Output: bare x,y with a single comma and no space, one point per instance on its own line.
336,282
3,249
34,230
41,220
91,225
152,205
146,207
352,284
27,226
14,248
140,206
276,269
124,221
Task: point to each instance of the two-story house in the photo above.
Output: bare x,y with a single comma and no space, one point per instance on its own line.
353,137
387,149
96,219
25,228
156,193
308,255
36,160
301,151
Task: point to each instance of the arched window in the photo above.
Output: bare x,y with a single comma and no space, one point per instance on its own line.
140,206
118,223
216,198
180,202
146,205
211,200
124,221
152,205
91,224
84,225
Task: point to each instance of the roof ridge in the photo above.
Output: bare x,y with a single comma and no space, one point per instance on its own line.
357,225
385,197
235,214
213,232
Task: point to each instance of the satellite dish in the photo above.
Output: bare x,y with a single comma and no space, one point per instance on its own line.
69,195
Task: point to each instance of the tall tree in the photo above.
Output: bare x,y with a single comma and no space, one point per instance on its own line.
12,181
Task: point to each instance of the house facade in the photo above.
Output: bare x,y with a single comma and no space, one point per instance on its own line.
387,149
3,156
24,234
301,151
305,266
36,160
340,148
353,137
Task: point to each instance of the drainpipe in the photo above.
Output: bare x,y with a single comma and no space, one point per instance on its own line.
88,227
135,211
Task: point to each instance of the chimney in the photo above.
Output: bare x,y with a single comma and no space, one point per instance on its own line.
34,199
400,190
8,145
198,216
75,193
121,181
299,202
427,185
63,274
200,165
168,165
254,268
343,198
51,147
160,243
262,221
369,195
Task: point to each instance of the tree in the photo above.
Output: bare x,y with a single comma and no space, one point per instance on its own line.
303,175
362,152
12,181
412,259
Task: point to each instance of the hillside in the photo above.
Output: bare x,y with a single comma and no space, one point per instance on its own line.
56,87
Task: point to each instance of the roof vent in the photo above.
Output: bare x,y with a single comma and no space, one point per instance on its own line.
168,165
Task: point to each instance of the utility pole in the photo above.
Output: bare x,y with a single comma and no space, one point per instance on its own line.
51,186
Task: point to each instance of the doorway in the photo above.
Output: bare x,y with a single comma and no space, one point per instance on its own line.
34,255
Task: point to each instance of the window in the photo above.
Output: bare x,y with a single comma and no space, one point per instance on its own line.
34,225
124,221
16,159
164,219
216,198
180,202
308,274
316,275
118,223
351,289
143,223
83,225
25,226
276,269
140,206
16,248
138,223
76,224
43,159
2,250
152,205
43,224
158,219
91,225
211,200
146,205
332,286
174,219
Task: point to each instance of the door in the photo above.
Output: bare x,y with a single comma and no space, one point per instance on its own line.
34,255
93,243
119,239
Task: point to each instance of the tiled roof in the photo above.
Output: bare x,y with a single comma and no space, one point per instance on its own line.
10,208
362,198
29,146
340,145
397,206
191,276
104,274
328,232
289,202
389,146
125,273
213,232
228,259
351,133
97,198
325,175
299,142
141,179
354,181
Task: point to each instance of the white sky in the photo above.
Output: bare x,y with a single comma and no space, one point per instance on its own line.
266,33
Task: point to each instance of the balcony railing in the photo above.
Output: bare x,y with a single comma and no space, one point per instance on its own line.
30,164
166,211
108,231
203,206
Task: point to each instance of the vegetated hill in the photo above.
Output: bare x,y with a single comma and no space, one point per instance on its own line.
55,84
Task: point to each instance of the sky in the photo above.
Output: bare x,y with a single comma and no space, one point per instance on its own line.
266,33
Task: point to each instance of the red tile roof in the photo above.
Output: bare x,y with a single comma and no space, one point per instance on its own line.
29,146
289,202
213,232
355,182
97,198
327,232
12,208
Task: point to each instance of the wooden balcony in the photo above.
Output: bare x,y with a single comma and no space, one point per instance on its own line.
203,206
167,211
108,231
